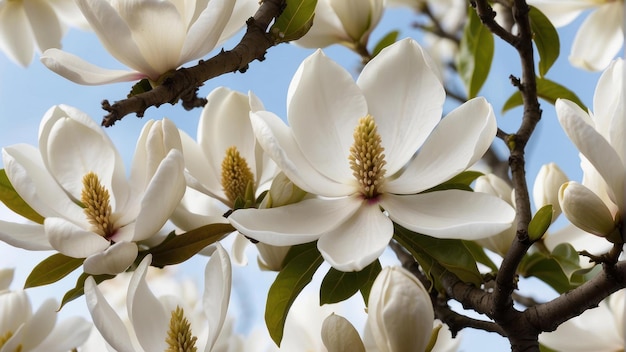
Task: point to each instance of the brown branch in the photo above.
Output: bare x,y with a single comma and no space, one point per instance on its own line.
184,82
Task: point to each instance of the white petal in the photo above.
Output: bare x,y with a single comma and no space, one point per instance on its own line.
66,335
80,71
405,97
114,260
578,238
357,241
294,224
357,16
72,240
238,251
608,107
450,214
16,37
459,140
163,194
16,310
586,210
27,236
105,319
205,32
562,12
340,336
6,277
40,324
45,24
217,286
243,10
594,147
327,29
324,106
145,311
599,38
278,142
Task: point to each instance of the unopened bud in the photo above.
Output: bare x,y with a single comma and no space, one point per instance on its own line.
283,192
546,188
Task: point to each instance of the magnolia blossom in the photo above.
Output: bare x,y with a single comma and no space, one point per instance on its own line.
76,181
27,25
346,22
601,329
599,138
355,145
21,329
161,324
494,185
600,36
151,37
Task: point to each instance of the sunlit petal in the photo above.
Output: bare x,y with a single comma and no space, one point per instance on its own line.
112,261
218,282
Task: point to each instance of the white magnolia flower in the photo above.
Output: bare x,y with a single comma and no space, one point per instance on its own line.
494,185
346,22
151,37
76,181
546,188
355,146
599,138
600,36
601,329
158,322
21,329
27,25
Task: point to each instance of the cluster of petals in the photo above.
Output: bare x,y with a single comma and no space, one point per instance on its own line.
151,37
150,315
21,329
405,99
597,205
27,25
51,180
600,36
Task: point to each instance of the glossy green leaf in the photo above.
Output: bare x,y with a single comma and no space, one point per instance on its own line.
549,91
540,222
366,287
303,261
295,20
182,247
438,256
479,255
140,87
461,181
387,40
559,269
52,269
475,54
546,40
13,201
79,289
338,286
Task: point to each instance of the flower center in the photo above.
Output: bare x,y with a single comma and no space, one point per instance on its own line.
179,337
367,160
95,198
4,338
236,175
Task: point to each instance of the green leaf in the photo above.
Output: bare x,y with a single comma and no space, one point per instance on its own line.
184,246
303,261
559,269
461,181
140,87
479,255
387,40
540,222
546,40
366,288
79,289
295,20
475,54
13,201
52,269
338,286
438,256
549,91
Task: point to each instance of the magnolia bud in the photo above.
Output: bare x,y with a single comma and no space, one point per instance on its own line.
283,192
157,138
587,211
546,188
400,313
339,335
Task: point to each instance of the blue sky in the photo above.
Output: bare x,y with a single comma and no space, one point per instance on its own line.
26,94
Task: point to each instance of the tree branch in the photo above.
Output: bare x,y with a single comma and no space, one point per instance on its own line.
184,82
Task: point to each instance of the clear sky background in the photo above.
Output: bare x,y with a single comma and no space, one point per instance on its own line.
26,94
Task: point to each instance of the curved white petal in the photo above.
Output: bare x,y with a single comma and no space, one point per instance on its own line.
339,335
163,194
459,140
594,147
204,33
238,250
324,106
113,260
147,314
297,223
599,38
278,142
27,236
72,240
217,286
105,319
40,324
357,241
80,71
16,38
450,214
327,28
581,240
405,97
6,277
243,10
16,310
66,335
358,17
608,105
44,23
562,12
